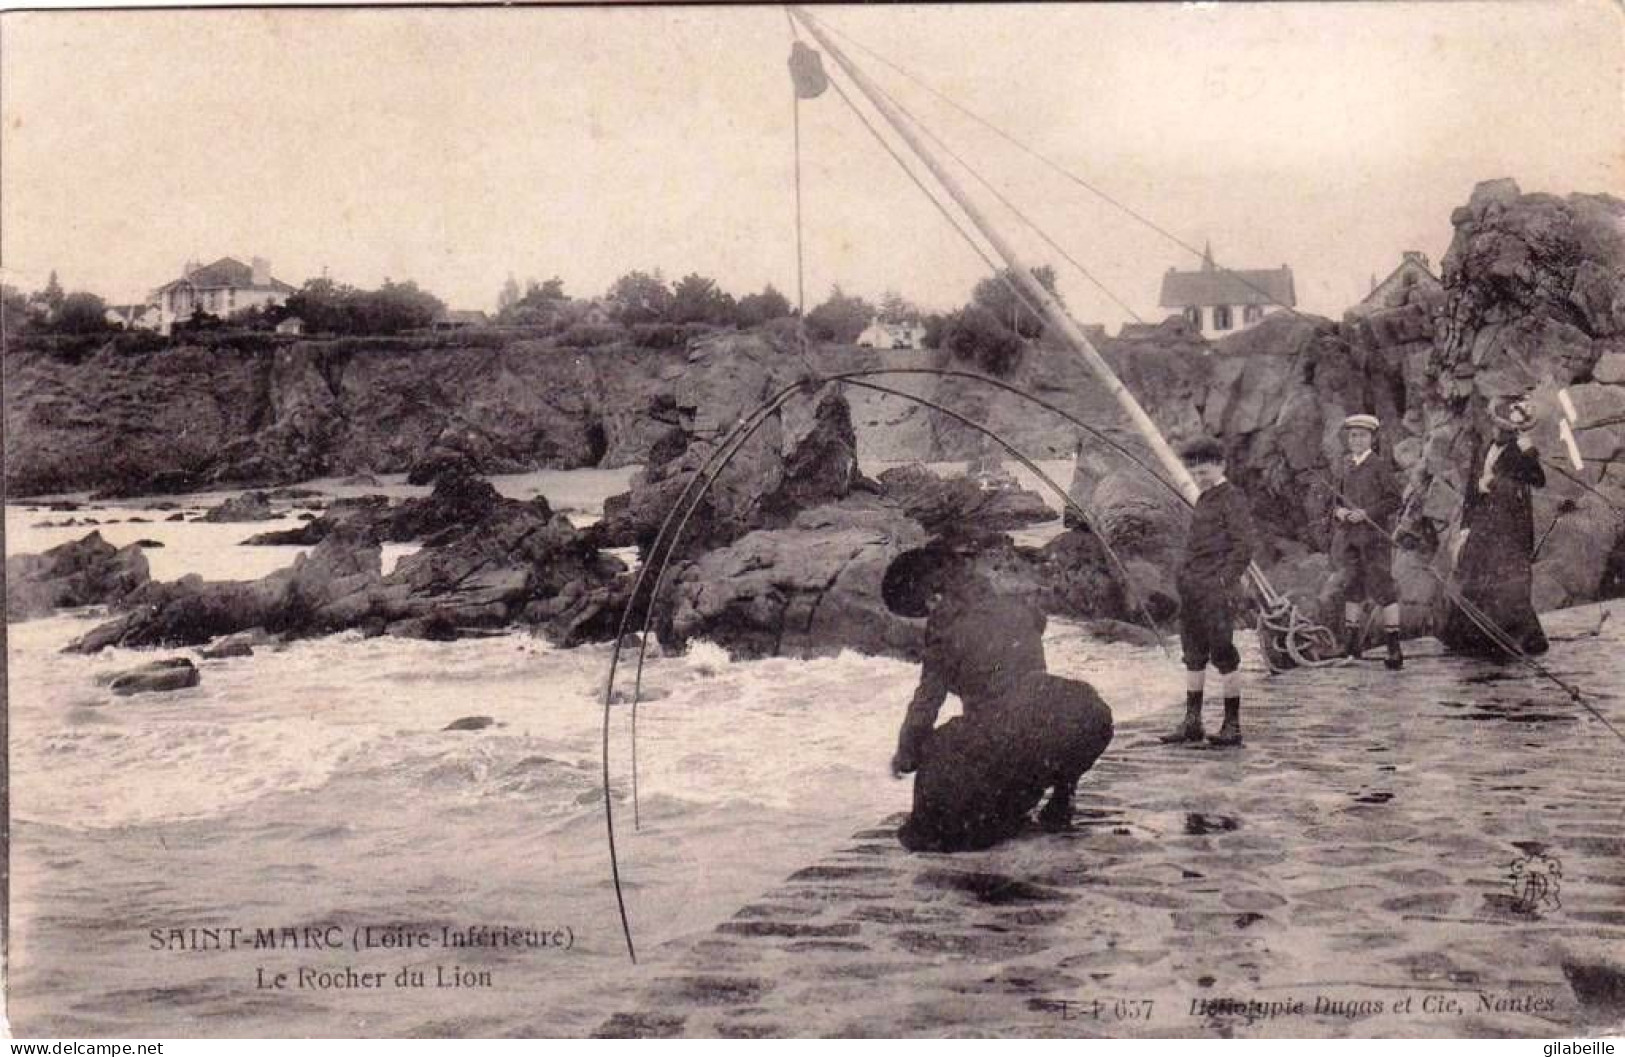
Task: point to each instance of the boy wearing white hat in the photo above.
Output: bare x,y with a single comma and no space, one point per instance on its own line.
1363,513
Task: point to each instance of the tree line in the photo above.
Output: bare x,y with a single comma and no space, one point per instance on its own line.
989,331
323,305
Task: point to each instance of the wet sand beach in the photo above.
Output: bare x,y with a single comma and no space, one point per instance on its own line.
1349,873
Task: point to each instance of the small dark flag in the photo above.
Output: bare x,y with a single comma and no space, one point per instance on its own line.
807,71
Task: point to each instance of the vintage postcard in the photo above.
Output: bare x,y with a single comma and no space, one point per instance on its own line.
755,521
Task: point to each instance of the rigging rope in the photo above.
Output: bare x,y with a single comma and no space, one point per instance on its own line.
1066,499
1004,201
912,175
1002,274
1052,164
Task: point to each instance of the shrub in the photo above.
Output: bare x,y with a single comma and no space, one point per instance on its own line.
668,335
138,342
977,336
591,335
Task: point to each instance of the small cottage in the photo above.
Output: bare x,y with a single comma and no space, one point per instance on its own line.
1218,301
878,335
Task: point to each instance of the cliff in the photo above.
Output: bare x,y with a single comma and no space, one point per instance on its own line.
188,416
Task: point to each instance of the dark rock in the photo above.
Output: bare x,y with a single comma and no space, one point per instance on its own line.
88,571
803,455
250,506
436,627
615,528
294,493
519,563
458,501
1076,578
176,517
174,673
362,517
963,504
147,544
470,723
132,482
445,460
711,990
991,888
814,587
304,536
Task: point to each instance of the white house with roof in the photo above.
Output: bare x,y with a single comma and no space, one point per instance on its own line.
133,317
222,288
878,335
1219,301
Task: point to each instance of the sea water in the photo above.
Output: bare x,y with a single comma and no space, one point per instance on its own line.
298,846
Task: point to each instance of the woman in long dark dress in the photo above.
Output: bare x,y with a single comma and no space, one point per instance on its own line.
1023,733
1494,566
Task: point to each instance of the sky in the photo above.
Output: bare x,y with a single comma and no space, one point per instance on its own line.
455,147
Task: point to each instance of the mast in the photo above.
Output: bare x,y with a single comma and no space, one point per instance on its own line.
1054,314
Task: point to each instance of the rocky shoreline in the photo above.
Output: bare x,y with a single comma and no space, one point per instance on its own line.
1533,295
1352,872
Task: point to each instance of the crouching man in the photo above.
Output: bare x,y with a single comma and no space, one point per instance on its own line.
1023,731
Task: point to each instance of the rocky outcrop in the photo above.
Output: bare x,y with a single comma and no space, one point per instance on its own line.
803,454
517,563
1535,289
156,677
814,587
83,572
972,503
808,588
459,499
1164,366
250,506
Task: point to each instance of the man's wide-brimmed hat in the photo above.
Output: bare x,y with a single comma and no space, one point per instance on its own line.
1362,422
913,576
